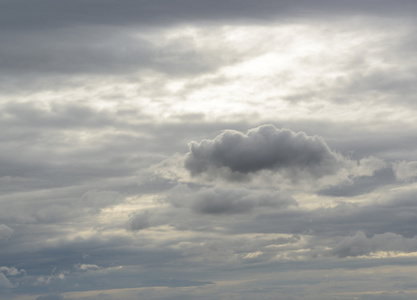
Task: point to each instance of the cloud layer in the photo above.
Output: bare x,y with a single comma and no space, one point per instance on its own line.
136,159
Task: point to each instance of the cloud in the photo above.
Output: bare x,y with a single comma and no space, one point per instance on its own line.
405,171
139,221
220,200
86,267
360,244
76,13
12,271
5,232
4,282
263,148
50,297
400,295
361,184
96,200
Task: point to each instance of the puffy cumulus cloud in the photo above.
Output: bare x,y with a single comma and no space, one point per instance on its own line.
5,232
263,148
360,244
220,200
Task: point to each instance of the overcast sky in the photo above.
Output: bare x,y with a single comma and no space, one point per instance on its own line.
189,149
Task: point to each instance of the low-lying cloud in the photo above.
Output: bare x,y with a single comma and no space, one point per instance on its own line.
360,244
263,148
220,200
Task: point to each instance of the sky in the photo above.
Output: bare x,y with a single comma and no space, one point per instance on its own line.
190,149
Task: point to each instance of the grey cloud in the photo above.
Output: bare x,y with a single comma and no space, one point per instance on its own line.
263,148
219,200
95,200
12,271
107,39
63,159
400,295
61,116
100,51
50,297
4,282
361,185
405,171
360,244
54,206
139,221
75,13
5,232
395,213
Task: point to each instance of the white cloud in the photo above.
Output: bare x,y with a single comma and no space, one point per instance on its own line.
12,271
405,170
368,165
86,267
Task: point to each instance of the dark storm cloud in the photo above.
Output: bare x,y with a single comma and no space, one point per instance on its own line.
217,200
263,148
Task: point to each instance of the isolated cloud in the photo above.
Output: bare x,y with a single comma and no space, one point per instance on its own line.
219,200
263,148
